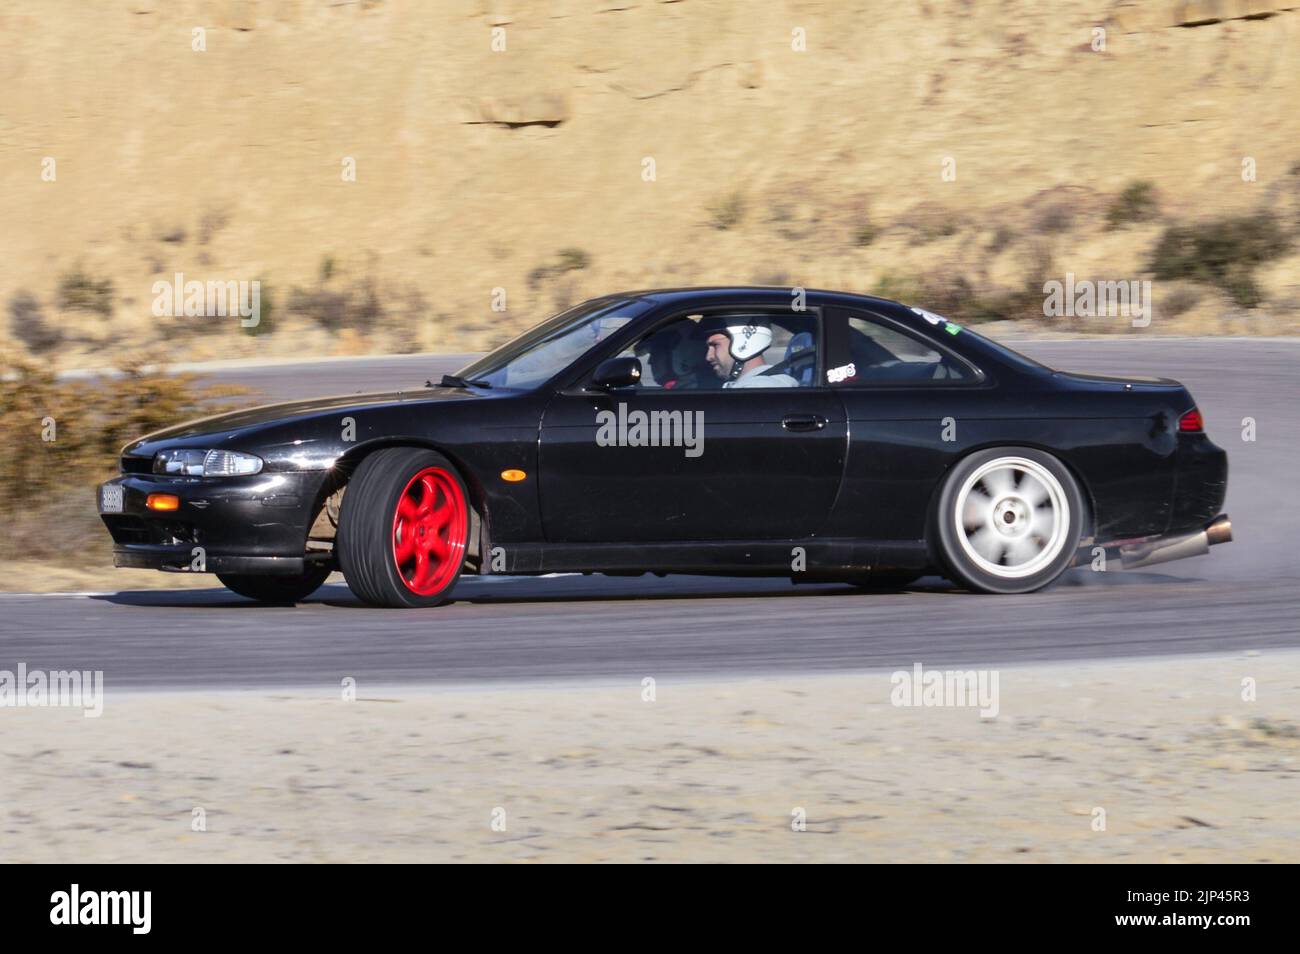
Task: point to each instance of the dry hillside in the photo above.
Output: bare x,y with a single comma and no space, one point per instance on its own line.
528,168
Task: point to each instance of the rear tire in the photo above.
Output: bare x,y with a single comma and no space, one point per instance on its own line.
276,589
1009,520
404,528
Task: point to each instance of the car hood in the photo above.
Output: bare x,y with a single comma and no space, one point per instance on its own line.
231,425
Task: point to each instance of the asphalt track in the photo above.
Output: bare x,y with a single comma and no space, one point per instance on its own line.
1242,596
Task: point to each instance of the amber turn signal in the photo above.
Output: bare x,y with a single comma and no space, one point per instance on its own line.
163,502
514,476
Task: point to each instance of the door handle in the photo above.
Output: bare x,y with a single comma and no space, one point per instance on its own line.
803,422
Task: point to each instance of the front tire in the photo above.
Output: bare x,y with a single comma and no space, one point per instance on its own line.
1009,520
404,528
276,589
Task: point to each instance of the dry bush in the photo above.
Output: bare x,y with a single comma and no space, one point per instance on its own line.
79,291
27,323
727,212
1137,203
1223,252
356,306
47,499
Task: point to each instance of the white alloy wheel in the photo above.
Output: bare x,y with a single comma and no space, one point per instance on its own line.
1012,517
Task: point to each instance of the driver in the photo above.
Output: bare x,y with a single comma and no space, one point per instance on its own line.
735,347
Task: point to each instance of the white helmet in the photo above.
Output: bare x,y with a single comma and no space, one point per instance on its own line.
748,336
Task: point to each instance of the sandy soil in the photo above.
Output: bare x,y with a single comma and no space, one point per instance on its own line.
791,143
1184,769
38,576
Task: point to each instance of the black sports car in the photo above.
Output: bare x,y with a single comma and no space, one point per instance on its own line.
734,431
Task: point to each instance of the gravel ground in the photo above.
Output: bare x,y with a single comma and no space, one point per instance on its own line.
1184,769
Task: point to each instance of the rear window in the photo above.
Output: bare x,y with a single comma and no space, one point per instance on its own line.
881,354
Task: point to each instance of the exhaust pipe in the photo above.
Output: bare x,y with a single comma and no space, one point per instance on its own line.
1164,549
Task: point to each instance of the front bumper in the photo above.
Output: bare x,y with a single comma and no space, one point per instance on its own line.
229,525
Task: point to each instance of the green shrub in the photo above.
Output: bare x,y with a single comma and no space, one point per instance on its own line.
1224,252
1137,203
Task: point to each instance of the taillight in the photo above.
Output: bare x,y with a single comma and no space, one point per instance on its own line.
1191,422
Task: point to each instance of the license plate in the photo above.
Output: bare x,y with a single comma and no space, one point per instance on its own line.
110,498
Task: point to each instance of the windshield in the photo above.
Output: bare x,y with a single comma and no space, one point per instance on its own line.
540,353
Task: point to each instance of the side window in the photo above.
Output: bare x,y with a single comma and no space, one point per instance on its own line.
879,354
673,357
696,352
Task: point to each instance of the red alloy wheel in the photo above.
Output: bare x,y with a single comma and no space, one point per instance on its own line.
430,527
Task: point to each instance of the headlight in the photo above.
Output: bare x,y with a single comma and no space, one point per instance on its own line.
213,463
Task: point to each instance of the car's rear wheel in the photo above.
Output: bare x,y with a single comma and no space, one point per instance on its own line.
1009,520
403,528
278,588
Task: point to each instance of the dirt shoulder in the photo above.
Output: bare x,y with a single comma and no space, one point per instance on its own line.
1184,769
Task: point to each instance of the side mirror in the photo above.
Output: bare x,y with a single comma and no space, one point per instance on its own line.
617,373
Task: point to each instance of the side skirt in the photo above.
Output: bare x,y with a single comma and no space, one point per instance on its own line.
792,558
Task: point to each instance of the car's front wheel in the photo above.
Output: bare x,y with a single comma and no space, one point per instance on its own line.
278,588
403,528
1009,520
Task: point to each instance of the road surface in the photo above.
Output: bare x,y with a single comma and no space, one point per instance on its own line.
1242,596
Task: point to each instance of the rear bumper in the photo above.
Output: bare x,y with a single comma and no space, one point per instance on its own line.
229,525
1200,484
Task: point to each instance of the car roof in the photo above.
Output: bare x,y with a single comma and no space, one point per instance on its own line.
722,294
977,347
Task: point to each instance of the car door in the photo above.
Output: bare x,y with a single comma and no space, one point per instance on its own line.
912,405
719,464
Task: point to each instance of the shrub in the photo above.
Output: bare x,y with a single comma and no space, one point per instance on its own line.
864,233
903,289
1223,252
727,212
79,291
1054,218
572,260
1179,301
27,324
357,307
46,486
1137,203
1003,236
